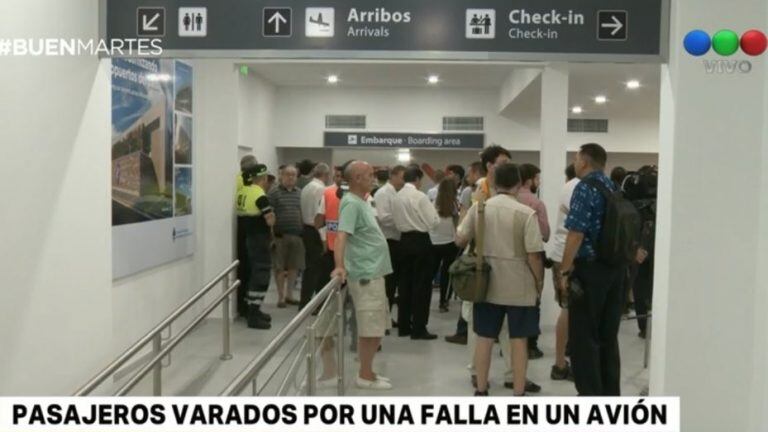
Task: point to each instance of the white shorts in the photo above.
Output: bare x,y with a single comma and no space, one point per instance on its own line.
371,307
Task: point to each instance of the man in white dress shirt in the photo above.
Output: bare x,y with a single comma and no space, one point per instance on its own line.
314,248
414,217
383,200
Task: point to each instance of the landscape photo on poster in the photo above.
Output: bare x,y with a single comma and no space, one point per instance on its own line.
183,191
152,163
182,139
142,158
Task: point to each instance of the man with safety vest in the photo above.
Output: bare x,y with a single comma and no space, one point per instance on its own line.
257,216
244,269
327,221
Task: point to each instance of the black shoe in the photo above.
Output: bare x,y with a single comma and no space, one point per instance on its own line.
563,374
457,339
255,320
481,393
423,336
403,332
264,316
443,307
473,379
641,335
394,324
530,386
534,354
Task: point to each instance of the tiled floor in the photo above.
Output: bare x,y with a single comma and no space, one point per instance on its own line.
416,368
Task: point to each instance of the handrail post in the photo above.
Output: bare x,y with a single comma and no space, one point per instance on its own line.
311,348
225,325
340,340
648,335
157,375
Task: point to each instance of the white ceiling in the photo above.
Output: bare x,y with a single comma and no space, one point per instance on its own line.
586,80
384,74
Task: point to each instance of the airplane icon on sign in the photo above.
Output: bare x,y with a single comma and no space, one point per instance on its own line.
319,20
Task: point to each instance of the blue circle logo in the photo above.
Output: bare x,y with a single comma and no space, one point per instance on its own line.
697,42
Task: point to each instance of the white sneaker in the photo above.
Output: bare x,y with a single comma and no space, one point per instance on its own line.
328,383
379,384
382,378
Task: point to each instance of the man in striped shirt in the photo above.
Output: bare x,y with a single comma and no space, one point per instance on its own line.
288,248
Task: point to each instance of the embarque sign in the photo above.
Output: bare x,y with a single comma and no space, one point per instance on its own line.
562,30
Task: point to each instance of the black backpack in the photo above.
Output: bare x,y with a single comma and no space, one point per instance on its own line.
620,235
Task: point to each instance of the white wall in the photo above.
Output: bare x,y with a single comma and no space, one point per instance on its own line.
300,113
626,134
709,339
141,301
61,317
55,267
256,106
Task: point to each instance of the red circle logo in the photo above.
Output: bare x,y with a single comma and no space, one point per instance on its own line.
754,42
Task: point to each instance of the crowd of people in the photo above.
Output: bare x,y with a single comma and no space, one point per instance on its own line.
391,243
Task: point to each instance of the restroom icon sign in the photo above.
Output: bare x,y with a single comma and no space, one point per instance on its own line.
193,22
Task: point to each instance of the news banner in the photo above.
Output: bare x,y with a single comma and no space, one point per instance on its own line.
338,414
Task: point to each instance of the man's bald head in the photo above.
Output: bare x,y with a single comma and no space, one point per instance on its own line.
359,175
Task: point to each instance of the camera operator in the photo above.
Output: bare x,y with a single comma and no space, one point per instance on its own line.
641,189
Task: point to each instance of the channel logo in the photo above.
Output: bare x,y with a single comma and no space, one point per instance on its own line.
726,43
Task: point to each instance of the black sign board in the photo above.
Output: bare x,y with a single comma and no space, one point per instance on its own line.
404,140
536,30
150,22
612,25
276,22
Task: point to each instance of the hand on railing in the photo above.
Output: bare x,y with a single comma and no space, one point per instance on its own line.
341,273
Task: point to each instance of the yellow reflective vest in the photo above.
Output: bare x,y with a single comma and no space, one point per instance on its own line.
245,203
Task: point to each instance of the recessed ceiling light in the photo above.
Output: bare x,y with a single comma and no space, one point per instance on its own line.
404,157
600,99
633,84
433,79
576,110
333,79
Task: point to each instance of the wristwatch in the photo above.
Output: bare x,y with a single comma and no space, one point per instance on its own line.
566,273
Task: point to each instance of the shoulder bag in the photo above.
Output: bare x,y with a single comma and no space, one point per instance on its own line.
470,273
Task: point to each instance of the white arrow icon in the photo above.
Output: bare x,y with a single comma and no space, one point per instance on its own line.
616,25
147,25
277,18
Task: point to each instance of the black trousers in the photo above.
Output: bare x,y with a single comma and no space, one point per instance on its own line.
259,256
243,269
442,257
392,280
415,283
643,292
313,258
594,319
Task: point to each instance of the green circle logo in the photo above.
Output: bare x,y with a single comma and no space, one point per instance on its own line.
725,42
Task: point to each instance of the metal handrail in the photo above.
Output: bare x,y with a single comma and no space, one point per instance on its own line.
248,374
173,342
153,334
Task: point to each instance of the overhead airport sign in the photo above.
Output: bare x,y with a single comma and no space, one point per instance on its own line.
405,140
566,30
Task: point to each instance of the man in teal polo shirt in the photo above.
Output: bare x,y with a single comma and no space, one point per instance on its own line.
362,258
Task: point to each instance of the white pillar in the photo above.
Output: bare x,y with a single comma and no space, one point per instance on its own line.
709,328
554,130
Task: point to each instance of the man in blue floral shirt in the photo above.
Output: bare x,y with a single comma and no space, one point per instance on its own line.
595,294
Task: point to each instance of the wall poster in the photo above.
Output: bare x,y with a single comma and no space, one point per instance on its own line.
152,164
